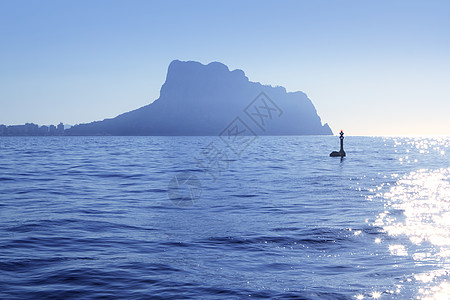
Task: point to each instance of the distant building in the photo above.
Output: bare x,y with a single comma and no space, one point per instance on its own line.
17,130
52,130
43,130
3,130
60,129
31,129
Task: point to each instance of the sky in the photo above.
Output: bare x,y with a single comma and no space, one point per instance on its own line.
370,67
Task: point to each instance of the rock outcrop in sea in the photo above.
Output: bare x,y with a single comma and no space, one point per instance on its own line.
199,99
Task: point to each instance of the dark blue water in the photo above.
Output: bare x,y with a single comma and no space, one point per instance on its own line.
95,217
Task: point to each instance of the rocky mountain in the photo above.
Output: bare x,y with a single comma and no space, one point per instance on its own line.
199,99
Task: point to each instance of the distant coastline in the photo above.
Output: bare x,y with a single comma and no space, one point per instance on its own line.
202,100
31,129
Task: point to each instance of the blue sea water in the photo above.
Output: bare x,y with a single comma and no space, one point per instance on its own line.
186,218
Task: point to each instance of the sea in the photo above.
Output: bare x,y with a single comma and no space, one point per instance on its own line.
208,218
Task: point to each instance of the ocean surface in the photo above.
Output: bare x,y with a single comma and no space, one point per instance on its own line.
189,218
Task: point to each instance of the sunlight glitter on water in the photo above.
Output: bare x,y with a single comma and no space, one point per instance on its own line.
423,197
420,146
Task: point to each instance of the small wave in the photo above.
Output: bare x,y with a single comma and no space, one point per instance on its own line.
244,195
300,238
8,179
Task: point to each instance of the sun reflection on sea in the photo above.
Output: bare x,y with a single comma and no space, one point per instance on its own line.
423,197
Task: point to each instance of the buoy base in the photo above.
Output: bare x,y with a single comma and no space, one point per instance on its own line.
337,154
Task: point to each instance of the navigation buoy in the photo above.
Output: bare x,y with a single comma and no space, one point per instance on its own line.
340,153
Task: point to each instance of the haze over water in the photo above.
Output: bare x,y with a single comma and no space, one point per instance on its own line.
90,217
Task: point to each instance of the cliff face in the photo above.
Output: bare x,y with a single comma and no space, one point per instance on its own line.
199,99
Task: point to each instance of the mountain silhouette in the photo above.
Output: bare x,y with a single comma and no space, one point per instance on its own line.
199,99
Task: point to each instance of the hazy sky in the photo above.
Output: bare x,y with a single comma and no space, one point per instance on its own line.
370,67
